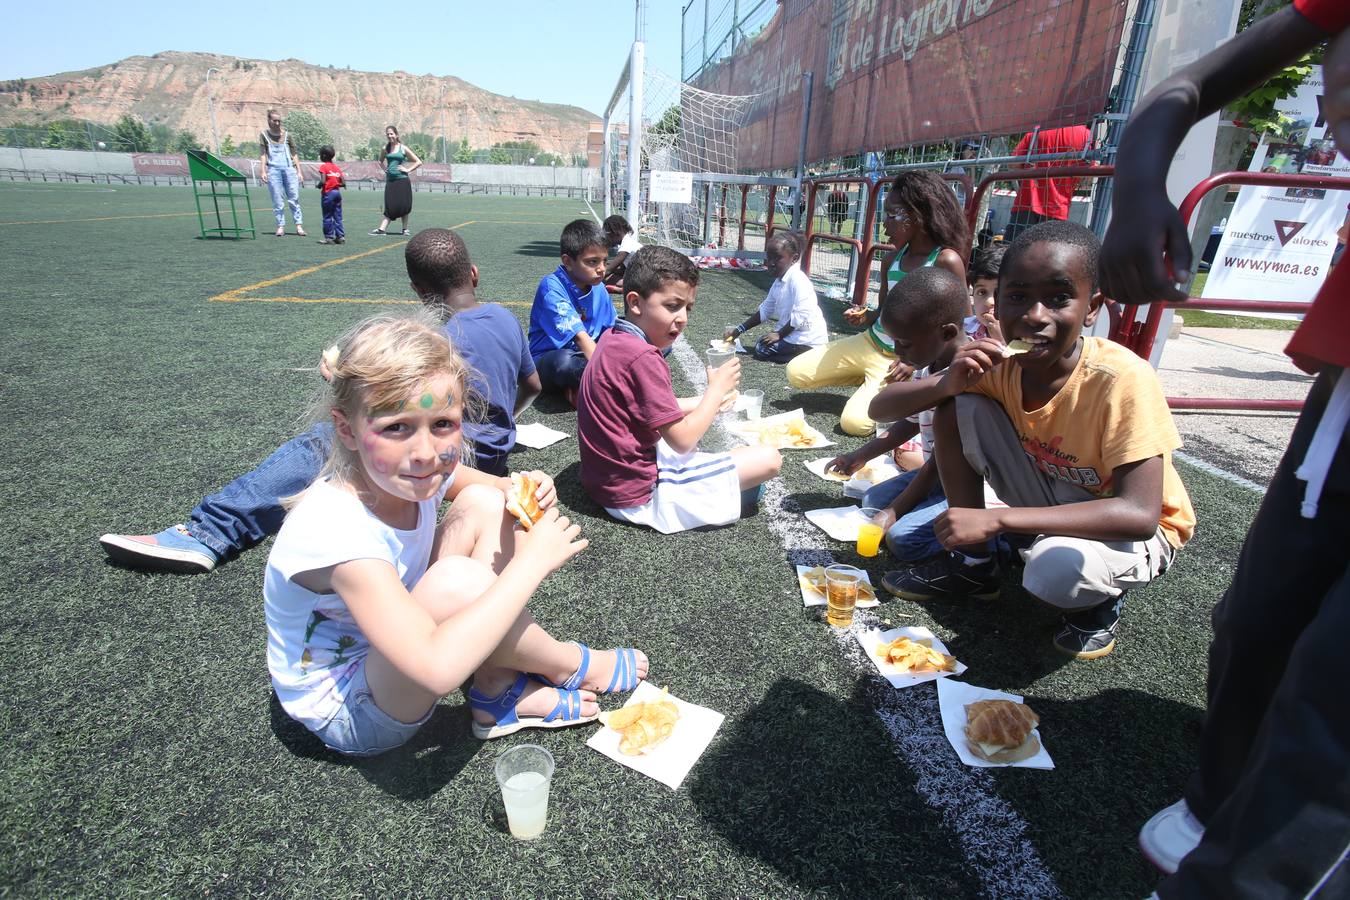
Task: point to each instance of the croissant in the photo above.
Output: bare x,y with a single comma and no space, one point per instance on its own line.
1000,730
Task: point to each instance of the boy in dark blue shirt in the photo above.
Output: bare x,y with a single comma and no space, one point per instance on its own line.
571,309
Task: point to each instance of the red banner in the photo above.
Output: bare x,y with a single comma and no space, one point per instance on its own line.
176,164
889,73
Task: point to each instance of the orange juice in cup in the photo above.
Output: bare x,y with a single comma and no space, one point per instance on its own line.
869,533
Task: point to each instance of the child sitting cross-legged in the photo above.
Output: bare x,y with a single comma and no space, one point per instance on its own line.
374,610
791,302
1073,433
571,309
638,441
924,316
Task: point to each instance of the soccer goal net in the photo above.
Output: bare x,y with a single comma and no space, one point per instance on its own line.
679,187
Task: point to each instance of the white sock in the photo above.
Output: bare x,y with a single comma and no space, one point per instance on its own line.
972,560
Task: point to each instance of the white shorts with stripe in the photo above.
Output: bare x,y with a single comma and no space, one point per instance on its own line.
692,490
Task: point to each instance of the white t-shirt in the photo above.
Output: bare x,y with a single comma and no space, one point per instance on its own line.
314,646
629,244
792,301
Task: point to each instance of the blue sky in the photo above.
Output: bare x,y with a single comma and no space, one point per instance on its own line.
558,52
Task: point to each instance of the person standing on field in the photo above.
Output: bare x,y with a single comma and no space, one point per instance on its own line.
281,172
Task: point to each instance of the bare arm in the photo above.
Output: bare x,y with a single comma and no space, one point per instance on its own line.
442,657
527,391
416,163
951,261
848,463
1146,250
1132,514
684,435
585,343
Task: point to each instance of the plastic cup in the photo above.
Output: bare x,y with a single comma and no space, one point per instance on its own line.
718,358
869,533
841,594
754,403
524,773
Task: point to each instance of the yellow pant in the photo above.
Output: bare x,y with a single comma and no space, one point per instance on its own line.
850,361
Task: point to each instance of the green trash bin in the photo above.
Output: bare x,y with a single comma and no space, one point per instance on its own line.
214,179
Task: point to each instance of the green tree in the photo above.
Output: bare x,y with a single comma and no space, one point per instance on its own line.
309,133
56,136
131,134
462,153
227,147
186,141
161,138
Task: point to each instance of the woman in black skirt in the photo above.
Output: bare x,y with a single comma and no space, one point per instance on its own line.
399,162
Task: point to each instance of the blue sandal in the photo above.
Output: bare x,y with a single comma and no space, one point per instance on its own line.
502,708
625,676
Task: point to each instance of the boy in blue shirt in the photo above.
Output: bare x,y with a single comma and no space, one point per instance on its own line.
248,509
571,309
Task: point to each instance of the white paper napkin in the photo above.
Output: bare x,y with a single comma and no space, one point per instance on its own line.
883,468
953,696
840,522
813,598
751,430
537,435
671,760
870,640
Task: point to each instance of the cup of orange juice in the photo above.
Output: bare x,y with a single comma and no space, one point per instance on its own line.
869,532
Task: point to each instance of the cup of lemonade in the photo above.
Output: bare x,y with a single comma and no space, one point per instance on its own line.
524,773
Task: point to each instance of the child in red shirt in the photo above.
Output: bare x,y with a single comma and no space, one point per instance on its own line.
330,181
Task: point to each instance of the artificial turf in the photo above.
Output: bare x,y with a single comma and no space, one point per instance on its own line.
144,752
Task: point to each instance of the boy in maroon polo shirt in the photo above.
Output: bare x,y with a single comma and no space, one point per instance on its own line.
639,442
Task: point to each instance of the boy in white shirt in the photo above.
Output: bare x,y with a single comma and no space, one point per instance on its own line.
791,302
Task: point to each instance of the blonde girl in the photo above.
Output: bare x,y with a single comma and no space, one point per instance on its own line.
374,612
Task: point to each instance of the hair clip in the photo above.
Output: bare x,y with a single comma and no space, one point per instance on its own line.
330,357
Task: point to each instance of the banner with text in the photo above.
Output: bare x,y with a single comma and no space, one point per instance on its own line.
894,72
1278,242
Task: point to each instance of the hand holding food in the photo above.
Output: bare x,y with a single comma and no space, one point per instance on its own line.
521,501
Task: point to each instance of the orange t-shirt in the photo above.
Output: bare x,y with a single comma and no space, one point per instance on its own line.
1111,412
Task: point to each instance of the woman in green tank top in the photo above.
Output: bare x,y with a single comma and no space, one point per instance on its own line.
923,221
399,162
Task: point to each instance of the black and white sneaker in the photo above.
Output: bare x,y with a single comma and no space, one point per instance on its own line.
947,576
1090,633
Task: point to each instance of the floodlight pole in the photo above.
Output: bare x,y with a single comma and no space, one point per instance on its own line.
441,103
211,104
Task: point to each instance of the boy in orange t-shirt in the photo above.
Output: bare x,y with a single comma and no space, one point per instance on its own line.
1073,433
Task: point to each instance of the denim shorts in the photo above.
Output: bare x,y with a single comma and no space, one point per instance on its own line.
360,728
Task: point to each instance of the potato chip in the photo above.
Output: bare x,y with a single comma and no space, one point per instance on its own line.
909,655
642,726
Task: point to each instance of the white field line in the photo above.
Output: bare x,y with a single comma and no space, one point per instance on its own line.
991,833
1215,470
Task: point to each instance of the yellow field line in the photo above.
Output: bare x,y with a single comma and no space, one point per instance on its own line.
382,300
99,219
236,295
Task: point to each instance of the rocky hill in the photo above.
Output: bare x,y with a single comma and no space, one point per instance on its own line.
170,88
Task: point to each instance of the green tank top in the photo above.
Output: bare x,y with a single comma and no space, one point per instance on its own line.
392,161
895,273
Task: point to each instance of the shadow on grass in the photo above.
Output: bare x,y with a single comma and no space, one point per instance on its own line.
415,771
810,403
811,787
538,248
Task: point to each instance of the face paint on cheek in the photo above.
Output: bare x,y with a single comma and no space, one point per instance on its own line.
450,458
379,467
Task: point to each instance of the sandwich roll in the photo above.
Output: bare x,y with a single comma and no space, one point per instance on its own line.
521,501
1000,731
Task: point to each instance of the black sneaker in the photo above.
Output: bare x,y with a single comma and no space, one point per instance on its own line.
946,576
1090,633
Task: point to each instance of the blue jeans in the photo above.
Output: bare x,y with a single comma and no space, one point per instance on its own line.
332,215
562,368
779,351
284,187
911,538
248,509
